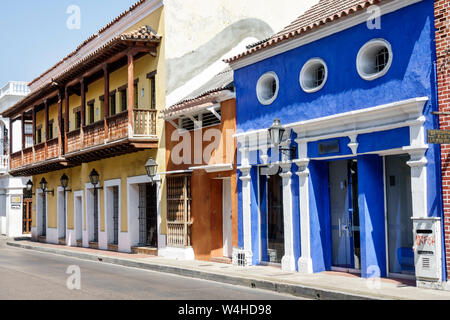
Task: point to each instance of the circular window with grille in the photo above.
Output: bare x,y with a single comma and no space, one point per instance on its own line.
314,75
374,59
267,88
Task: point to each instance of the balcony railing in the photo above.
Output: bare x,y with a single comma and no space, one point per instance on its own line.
90,142
144,122
14,88
94,134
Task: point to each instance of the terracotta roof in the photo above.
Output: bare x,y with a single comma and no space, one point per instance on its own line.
142,34
324,12
221,82
92,37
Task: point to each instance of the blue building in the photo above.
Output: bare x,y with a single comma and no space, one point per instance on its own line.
354,87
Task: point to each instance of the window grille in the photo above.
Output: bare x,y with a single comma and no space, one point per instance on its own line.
179,210
382,59
95,215
116,215
319,76
44,217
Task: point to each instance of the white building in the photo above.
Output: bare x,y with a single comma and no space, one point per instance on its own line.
13,208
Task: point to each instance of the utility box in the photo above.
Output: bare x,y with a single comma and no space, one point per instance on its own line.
427,249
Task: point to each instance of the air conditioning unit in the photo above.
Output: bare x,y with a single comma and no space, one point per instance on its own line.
241,257
427,250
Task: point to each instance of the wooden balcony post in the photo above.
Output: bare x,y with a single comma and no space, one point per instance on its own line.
60,133
83,108
33,114
66,118
22,124
46,126
106,99
130,93
22,119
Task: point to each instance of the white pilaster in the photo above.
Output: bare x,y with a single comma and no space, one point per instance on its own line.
288,260
305,261
246,209
418,164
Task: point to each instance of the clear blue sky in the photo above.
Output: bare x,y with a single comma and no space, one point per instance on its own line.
34,33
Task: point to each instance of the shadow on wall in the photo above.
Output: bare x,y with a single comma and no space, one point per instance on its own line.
180,70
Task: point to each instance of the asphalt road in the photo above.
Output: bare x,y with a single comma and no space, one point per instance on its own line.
34,275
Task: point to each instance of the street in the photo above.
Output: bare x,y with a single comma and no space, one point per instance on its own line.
33,275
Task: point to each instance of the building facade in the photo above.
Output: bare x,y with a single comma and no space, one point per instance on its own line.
15,206
96,115
354,87
201,151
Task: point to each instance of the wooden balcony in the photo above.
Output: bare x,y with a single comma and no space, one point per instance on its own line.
41,158
121,136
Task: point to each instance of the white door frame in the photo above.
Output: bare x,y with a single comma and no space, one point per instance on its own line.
78,217
109,207
133,211
89,233
227,219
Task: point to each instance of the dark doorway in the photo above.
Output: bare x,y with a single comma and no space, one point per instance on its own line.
148,233
275,221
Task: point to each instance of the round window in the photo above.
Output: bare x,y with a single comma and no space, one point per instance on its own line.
267,88
374,59
314,75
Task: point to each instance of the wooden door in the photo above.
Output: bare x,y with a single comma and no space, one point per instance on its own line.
26,221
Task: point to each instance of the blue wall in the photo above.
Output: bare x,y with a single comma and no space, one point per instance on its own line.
410,31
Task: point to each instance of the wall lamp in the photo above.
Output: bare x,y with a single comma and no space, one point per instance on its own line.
94,177
29,187
276,133
44,185
65,183
151,167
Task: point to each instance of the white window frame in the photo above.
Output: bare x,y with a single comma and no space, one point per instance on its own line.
361,55
260,88
306,68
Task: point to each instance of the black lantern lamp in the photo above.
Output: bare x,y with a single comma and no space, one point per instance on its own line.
276,133
44,185
29,187
151,166
94,177
65,182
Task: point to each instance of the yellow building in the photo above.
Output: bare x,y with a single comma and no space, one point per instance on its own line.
96,114
98,118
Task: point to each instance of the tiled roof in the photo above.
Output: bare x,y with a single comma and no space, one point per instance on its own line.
92,37
222,81
144,34
324,12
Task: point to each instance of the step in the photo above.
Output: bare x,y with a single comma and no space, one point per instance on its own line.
221,260
145,250
62,241
113,247
93,245
79,243
42,239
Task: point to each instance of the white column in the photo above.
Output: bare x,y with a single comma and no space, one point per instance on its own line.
305,261
288,260
418,164
246,209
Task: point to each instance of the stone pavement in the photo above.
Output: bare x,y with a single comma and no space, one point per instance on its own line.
325,285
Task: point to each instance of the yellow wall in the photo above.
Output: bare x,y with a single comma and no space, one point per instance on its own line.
121,167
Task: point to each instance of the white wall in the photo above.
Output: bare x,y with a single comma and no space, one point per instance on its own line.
201,33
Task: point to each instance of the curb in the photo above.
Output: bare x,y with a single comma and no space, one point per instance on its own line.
291,289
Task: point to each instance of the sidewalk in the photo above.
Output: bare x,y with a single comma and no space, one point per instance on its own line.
325,285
